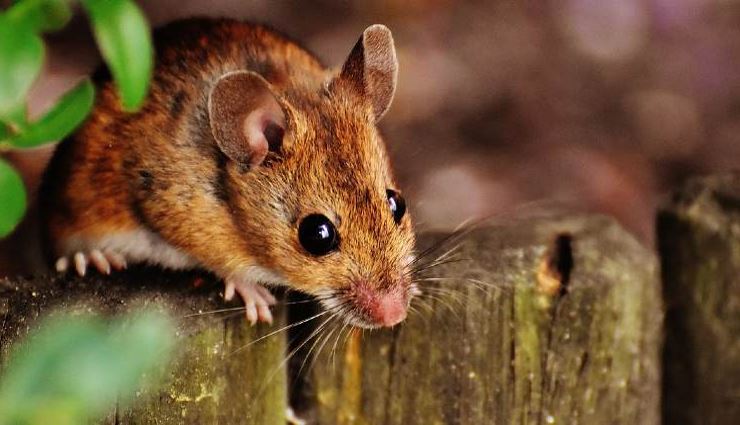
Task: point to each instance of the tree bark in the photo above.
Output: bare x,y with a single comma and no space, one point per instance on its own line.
699,244
211,381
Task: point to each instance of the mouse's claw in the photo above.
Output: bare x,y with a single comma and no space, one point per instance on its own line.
99,261
257,299
117,261
103,261
80,261
62,264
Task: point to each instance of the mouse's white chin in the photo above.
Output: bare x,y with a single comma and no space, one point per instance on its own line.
359,322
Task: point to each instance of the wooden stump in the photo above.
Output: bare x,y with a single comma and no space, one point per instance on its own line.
211,381
553,321
699,244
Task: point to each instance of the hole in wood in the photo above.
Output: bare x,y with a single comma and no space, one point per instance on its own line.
555,269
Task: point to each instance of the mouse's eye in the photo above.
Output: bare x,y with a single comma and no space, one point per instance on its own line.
397,204
318,235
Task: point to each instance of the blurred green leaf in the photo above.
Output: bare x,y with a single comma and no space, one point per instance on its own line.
31,378
75,368
4,132
16,118
40,15
22,54
142,343
124,39
12,198
62,119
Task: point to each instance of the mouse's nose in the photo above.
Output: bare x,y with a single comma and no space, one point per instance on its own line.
382,308
389,310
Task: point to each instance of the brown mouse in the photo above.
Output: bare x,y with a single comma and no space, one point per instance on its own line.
249,159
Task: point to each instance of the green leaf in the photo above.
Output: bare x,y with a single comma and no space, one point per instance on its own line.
124,39
75,368
61,120
4,132
40,15
22,54
142,342
16,118
12,198
32,375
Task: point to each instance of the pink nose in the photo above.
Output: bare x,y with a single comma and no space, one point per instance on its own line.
389,310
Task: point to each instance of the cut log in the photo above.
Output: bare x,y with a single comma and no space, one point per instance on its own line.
699,244
211,381
550,321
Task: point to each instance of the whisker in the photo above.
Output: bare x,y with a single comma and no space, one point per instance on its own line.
424,303
222,310
444,303
312,300
312,361
449,252
455,295
476,282
284,328
334,348
287,358
439,244
242,308
413,309
316,341
462,229
429,266
490,285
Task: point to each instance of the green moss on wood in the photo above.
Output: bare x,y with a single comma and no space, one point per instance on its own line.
211,380
509,353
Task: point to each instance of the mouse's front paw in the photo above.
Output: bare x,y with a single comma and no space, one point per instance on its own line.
257,299
101,260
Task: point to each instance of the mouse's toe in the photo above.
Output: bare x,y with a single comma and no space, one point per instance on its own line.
104,261
257,299
100,262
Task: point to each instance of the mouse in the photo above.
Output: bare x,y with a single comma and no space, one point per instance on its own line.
250,159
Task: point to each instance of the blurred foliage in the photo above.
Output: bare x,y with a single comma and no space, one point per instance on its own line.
12,198
61,119
76,367
124,38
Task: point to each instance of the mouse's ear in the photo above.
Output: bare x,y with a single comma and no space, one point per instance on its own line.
246,118
372,68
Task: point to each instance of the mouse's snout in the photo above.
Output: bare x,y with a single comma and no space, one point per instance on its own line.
380,307
390,310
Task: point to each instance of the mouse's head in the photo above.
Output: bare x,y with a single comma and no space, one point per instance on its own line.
311,186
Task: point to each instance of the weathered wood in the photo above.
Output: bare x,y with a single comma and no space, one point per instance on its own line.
699,244
209,382
566,330
561,325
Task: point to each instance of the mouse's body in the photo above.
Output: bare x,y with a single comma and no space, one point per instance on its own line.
251,160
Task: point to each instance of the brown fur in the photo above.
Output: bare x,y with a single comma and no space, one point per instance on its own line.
160,167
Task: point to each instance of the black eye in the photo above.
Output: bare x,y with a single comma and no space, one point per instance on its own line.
397,204
318,235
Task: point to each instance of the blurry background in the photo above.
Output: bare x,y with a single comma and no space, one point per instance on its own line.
599,105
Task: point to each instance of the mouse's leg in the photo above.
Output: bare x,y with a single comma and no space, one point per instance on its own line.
103,261
257,299
113,251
